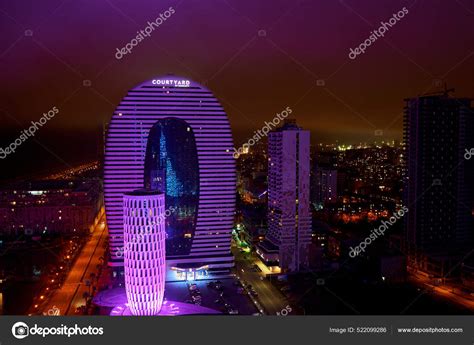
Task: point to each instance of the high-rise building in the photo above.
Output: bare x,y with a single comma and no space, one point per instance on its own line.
171,134
324,186
289,218
438,179
144,250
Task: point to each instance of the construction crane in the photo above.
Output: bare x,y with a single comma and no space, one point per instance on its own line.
444,92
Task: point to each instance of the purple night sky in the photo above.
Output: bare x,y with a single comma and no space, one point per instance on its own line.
217,42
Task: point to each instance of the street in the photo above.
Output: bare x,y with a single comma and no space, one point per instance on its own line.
445,290
69,296
272,300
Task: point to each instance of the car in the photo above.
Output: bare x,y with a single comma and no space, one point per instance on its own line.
232,311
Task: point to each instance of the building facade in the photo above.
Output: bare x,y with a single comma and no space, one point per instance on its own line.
289,217
144,250
438,187
49,207
171,134
324,186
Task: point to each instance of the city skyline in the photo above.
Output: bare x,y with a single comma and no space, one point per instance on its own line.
238,157
333,96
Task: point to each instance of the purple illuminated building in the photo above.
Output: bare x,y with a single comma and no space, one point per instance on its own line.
287,242
144,250
171,134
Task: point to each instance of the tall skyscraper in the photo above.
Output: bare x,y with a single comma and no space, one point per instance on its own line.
438,179
144,250
171,134
289,217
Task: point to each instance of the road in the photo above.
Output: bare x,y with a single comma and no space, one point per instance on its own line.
272,300
448,291
69,296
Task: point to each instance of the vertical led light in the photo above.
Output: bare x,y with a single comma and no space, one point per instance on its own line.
144,250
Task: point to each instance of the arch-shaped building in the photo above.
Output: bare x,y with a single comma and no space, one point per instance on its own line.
178,130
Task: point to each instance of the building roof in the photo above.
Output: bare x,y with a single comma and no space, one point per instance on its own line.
144,192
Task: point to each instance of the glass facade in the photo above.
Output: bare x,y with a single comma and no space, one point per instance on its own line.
171,166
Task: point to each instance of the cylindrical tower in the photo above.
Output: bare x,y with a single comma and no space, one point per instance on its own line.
144,250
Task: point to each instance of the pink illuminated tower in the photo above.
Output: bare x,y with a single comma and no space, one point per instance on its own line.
144,250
